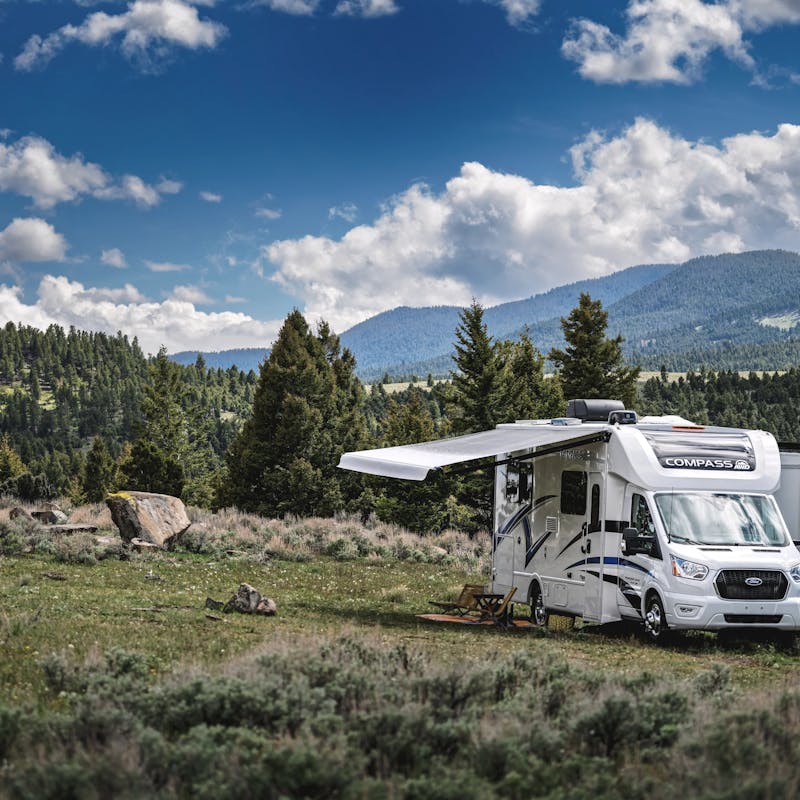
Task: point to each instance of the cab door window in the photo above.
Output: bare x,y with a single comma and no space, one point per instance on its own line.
642,520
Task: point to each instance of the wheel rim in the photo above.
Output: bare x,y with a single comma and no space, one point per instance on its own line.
539,611
654,620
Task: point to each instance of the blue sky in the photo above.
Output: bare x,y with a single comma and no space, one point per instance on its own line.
189,171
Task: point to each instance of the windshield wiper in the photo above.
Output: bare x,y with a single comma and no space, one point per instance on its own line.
682,539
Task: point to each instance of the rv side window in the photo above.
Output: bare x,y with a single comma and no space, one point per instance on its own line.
594,513
573,492
518,482
642,520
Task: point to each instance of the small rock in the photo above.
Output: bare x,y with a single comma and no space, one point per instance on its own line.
248,600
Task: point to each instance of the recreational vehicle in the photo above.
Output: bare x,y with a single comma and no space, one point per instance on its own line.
603,516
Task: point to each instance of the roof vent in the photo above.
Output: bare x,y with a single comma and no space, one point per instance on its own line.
595,410
622,418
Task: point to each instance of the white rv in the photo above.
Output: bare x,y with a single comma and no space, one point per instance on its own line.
603,516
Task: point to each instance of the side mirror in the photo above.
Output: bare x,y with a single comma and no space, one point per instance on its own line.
634,543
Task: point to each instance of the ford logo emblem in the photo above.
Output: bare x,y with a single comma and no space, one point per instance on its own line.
753,581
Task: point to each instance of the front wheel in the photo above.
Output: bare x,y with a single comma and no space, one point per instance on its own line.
655,620
539,614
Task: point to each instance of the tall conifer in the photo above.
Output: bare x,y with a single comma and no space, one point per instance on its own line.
591,365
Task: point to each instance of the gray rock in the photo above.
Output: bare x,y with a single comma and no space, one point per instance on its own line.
148,517
248,600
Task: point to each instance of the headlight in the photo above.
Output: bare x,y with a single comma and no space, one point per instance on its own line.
688,569
794,573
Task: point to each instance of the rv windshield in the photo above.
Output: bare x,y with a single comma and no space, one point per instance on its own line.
722,519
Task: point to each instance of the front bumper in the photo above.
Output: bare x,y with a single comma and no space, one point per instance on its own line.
693,612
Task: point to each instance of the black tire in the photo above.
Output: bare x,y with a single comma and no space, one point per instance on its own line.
539,614
655,620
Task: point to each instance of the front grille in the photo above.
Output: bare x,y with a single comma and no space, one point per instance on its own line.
732,584
753,619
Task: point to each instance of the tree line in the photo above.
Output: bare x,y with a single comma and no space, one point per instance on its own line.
84,414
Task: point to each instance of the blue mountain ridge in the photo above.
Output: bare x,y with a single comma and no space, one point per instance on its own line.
742,305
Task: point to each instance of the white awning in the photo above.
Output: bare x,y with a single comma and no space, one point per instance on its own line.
413,461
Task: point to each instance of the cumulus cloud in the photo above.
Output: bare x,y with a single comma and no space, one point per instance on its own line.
670,40
519,11
148,31
190,294
31,167
368,9
113,258
211,197
304,8
31,239
644,196
176,324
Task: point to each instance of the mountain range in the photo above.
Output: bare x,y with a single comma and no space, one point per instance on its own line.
732,311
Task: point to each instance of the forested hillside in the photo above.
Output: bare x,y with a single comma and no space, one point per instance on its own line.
407,341
734,311
61,389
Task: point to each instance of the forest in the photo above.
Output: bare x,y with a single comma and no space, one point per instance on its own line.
87,413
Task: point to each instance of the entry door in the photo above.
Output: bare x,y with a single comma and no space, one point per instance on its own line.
592,547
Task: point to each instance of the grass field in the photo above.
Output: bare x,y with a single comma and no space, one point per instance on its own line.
117,681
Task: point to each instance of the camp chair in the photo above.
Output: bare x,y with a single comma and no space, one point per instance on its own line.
494,606
465,603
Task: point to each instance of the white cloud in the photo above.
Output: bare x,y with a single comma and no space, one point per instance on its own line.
32,167
369,9
231,299
190,294
346,211
114,258
210,197
168,186
269,213
165,266
297,7
518,11
645,196
178,325
148,31
669,40
31,239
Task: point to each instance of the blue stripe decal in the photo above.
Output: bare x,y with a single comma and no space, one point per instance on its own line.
622,562
533,549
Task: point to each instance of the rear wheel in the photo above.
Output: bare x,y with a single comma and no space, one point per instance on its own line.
539,614
655,620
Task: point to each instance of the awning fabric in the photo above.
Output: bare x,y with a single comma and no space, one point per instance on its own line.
413,461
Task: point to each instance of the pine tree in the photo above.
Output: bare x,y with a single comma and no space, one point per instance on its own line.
475,402
11,465
155,462
100,472
527,393
306,412
592,366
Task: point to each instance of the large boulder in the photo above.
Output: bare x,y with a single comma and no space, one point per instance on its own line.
154,518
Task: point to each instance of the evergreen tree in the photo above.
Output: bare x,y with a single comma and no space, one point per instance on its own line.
592,366
155,462
306,412
475,401
11,465
526,392
100,472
